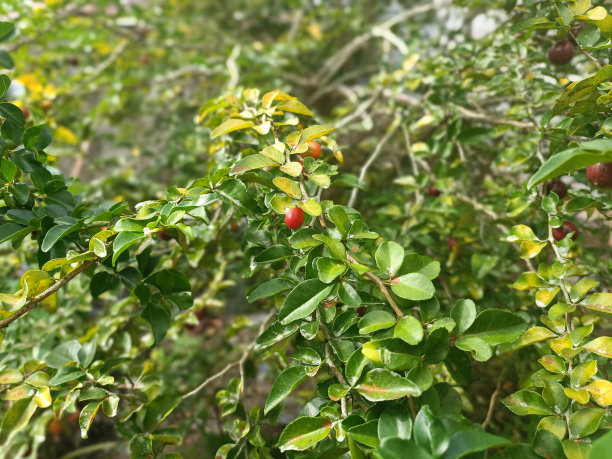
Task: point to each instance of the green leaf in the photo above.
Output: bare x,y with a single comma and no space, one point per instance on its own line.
389,258
252,162
495,326
88,413
6,28
480,350
270,288
12,114
336,248
554,395
230,125
303,300
586,421
539,22
527,402
429,432
409,329
66,374
159,319
339,218
437,345
602,446
123,241
566,162
303,433
274,334
284,384
159,409
382,384
329,269
355,366
464,314
17,417
394,448
413,262
395,421
234,192
366,433
375,320
272,254
5,82
11,230
467,442
413,286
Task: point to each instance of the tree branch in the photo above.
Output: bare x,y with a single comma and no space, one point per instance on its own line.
493,399
46,294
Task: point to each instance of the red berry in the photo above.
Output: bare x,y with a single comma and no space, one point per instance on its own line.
433,191
452,242
235,227
164,236
294,218
566,228
361,311
558,187
26,112
600,174
314,150
561,52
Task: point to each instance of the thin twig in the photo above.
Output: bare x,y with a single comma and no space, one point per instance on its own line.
398,312
493,399
229,366
81,452
364,170
46,294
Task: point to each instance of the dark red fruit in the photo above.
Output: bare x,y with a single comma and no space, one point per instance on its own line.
433,191
26,112
361,311
235,227
164,236
452,242
314,150
561,52
294,218
566,228
74,61
558,187
600,175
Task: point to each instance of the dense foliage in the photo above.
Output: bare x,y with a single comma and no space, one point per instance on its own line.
403,249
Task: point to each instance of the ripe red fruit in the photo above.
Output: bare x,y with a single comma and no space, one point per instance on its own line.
452,242
558,187
566,228
26,112
294,218
600,174
561,52
235,227
164,236
433,191
314,150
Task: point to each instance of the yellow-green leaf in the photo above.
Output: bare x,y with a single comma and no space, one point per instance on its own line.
311,207
601,391
600,346
231,125
293,168
294,106
288,186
